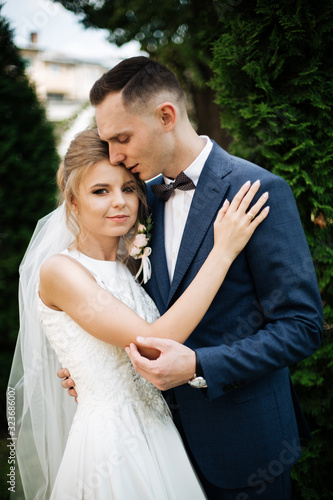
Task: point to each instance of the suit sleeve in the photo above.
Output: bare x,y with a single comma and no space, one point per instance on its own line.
282,271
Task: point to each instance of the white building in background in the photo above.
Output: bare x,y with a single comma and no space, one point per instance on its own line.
62,83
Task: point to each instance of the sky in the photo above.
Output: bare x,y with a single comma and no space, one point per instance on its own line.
60,31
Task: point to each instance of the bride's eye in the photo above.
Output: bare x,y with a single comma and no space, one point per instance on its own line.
129,188
100,191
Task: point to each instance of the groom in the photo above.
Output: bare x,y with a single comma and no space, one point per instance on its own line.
229,386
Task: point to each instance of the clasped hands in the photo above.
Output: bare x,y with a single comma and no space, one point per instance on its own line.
165,363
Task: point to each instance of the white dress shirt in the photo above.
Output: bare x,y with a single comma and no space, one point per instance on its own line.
178,206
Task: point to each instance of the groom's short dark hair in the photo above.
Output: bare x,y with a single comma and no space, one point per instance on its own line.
139,78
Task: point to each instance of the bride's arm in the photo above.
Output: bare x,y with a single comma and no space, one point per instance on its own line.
66,285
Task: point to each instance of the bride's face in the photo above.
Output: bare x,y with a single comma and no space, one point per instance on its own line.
107,205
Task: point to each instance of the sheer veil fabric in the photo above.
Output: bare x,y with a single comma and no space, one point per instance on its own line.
43,409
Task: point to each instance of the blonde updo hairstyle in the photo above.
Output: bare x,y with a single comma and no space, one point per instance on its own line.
85,150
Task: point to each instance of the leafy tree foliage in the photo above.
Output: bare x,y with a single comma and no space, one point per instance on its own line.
176,26
313,379
274,78
28,161
179,33
273,75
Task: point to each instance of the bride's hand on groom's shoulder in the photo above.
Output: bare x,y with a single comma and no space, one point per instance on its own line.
237,221
67,382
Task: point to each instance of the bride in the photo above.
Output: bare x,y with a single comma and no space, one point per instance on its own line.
122,443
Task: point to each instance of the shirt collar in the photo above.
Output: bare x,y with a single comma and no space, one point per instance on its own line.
195,169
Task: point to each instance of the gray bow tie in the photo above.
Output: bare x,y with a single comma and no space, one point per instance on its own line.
164,191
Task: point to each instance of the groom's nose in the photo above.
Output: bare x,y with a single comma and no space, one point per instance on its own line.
115,156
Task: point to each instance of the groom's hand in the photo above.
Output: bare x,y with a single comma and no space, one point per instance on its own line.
174,366
67,382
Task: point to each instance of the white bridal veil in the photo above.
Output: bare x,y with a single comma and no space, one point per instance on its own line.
43,409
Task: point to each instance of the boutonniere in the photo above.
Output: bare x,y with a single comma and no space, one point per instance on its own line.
141,250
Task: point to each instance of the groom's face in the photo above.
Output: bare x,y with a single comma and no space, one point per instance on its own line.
137,140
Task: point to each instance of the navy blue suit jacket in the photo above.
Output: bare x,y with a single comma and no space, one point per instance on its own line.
266,316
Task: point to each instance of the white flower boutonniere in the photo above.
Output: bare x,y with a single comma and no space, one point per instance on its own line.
141,250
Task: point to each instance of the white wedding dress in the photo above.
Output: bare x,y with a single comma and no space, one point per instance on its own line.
122,444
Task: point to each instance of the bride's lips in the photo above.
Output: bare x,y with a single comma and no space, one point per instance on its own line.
119,218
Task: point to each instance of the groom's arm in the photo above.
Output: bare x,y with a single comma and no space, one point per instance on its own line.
279,262
282,270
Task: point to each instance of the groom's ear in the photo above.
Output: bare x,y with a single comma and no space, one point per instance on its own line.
167,115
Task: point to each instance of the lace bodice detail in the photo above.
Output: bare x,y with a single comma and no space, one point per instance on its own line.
104,376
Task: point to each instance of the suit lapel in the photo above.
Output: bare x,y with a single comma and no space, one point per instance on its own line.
208,198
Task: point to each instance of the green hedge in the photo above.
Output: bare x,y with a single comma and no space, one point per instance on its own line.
273,77
28,162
